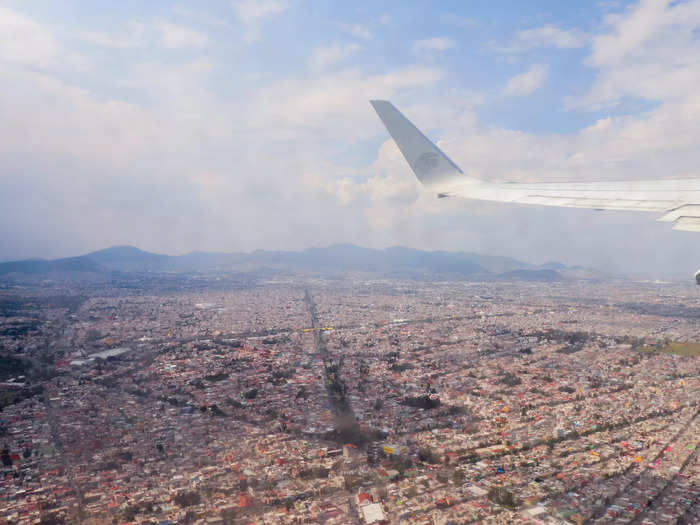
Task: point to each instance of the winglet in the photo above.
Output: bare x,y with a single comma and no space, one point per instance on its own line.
432,167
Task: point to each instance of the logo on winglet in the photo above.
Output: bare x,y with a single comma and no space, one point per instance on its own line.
427,162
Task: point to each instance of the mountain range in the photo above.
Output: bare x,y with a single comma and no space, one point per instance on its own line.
330,260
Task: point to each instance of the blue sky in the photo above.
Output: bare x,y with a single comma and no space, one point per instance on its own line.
479,35
240,124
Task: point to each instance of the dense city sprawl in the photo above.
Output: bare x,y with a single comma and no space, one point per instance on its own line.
320,401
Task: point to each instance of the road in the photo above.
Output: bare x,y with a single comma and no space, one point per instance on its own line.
347,429
58,442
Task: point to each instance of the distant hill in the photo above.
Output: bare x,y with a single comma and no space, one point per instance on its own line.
41,266
126,257
553,265
395,261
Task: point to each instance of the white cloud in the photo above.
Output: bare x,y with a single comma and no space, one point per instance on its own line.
201,17
550,36
326,56
24,41
356,30
163,175
334,104
458,21
174,36
433,44
527,82
252,13
647,51
132,37
633,28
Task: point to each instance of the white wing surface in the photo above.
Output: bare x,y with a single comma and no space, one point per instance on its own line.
677,199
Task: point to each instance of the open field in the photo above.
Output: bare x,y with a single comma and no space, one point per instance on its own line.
689,349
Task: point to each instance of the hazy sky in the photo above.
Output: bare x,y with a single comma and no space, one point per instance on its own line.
244,124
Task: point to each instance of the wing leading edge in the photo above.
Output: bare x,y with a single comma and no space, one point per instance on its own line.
679,199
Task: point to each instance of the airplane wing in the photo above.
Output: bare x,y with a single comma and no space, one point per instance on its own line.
677,199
